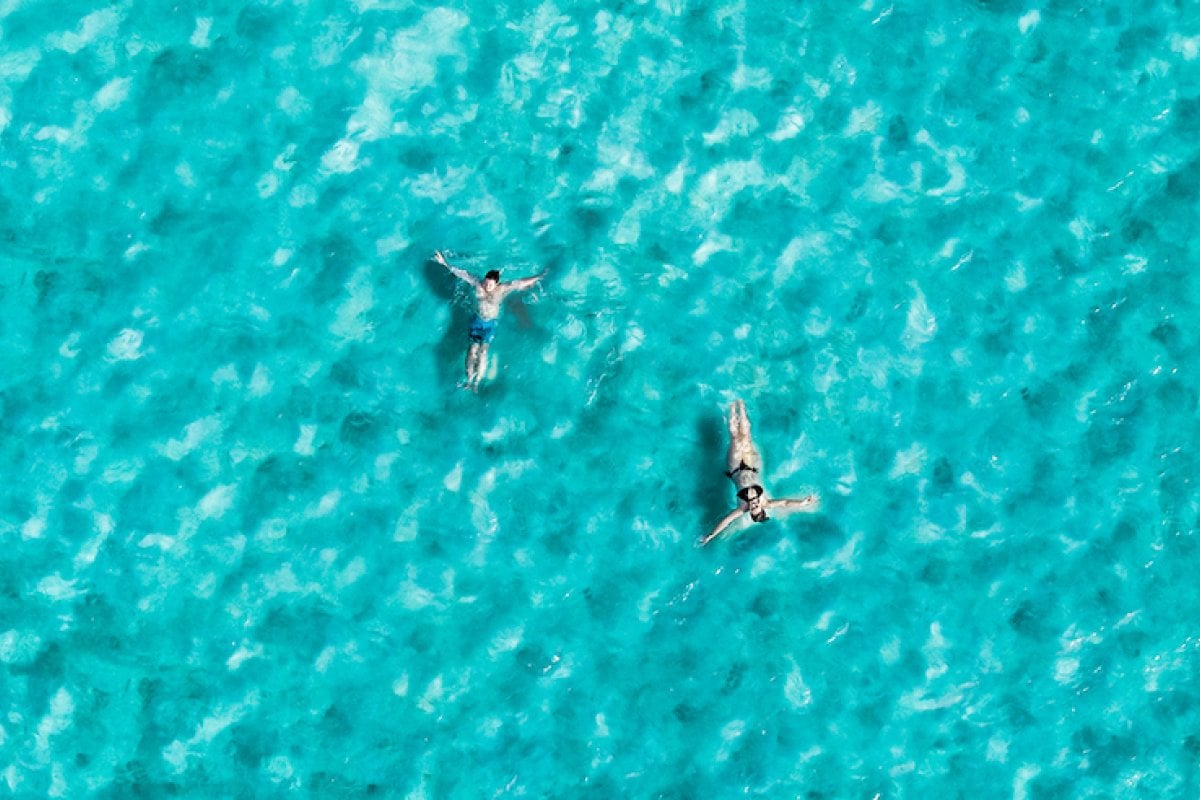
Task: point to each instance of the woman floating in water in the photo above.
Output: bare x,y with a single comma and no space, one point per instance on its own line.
744,469
488,294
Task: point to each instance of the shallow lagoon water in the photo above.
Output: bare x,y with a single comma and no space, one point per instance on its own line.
256,543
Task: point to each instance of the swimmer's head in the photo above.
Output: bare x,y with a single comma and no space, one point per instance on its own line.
753,497
492,279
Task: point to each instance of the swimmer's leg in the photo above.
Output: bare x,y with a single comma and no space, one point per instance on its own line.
481,353
732,455
472,361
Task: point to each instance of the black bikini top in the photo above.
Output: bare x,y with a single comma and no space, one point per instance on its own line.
742,465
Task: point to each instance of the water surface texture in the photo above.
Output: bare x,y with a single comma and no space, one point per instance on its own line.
254,542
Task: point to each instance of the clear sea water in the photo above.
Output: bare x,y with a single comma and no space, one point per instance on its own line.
254,542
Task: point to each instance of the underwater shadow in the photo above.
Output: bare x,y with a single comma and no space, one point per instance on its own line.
451,350
713,498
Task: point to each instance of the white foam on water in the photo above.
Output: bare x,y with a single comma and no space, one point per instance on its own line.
300,197
226,375
997,750
12,777
409,62
717,189
795,690
19,647
864,119
85,455
441,186
15,67
58,719
453,479
1028,21
243,654
434,692
112,94
629,228
351,323
484,519
102,24
413,597
844,559
126,346
506,641
713,243
383,465
646,608
877,189
280,769
920,323
920,700
324,659
260,382
825,372
161,541
124,471
177,753
34,527
267,185
1134,264
791,123
304,443
292,103
407,526
1022,779
673,182
736,123
910,461
803,249
216,502
1083,409
57,588
341,158
1186,46
609,35
504,427
1015,280
1066,664
103,525
730,733
618,156
199,38
351,573
271,530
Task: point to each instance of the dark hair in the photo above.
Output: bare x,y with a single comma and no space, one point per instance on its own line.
493,274
761,516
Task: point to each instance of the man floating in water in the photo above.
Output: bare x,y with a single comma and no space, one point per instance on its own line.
488,294
744,469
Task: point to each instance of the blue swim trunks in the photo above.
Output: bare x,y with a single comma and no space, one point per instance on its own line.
482,331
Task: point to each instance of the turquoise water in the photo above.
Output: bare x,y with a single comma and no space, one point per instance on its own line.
256,543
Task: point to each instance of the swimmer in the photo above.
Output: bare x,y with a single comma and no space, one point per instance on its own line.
488,294
744,468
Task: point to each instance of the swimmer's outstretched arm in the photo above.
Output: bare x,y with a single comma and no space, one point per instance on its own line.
725,522
524,283
808,503
461,274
